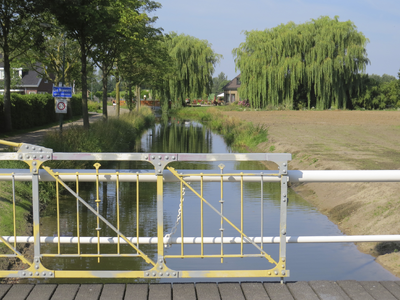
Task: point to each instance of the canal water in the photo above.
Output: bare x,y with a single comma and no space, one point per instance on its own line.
336,261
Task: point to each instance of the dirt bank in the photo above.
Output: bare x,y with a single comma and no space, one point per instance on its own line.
343,140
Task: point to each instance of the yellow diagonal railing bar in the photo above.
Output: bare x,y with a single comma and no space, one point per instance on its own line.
12,144
266,255
141,254
20,256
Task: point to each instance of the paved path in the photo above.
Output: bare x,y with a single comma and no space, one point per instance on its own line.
35,137
313,290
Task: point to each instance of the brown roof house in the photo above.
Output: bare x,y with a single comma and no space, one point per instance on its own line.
231,90
26,82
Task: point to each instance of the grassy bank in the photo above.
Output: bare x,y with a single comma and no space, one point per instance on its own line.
236,133
115,135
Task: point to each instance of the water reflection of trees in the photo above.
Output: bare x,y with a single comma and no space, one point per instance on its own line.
179,136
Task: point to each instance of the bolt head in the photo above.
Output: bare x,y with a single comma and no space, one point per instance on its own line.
48,156
159,157
276,272
147,274
173,157
37,267
33,148
153,157
159,171
37,274
167,157
283,272
154,273
41,156
159,164
167,273
20,156
174,274
146,157
23,273
44,273
161,274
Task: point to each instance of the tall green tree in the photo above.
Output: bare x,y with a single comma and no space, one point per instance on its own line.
145,61
193,63
89,22
134,26
19,31
56,52
219,82
321,60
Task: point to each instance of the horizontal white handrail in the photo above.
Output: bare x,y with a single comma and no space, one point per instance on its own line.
210,240
191,175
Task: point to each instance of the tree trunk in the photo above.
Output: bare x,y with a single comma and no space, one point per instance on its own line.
130,96
85,114
104,81
137,98
7,95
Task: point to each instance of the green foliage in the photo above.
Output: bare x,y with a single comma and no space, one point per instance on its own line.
219,82
76,104
193,63
236,133
378,93
94,106
317,62
34,110
382,79
30,110
114,135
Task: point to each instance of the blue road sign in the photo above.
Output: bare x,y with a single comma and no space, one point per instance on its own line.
62,92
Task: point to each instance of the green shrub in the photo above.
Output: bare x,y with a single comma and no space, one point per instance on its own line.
235,132
94,106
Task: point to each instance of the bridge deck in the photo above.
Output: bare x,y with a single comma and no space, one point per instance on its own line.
313,290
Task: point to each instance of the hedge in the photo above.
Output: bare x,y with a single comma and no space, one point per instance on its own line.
28,111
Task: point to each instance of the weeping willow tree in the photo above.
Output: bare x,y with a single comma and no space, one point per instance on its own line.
190,75
317,63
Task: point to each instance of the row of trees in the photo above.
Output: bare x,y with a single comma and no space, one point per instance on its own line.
66,40
379,92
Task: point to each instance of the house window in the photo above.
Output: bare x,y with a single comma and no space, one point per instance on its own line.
32,92
232,97
238,82
1,74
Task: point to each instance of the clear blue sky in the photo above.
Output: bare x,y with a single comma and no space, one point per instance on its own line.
221,23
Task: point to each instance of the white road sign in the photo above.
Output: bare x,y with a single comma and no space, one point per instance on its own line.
61,105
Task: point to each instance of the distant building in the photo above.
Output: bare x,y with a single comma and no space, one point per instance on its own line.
30,82
231,90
